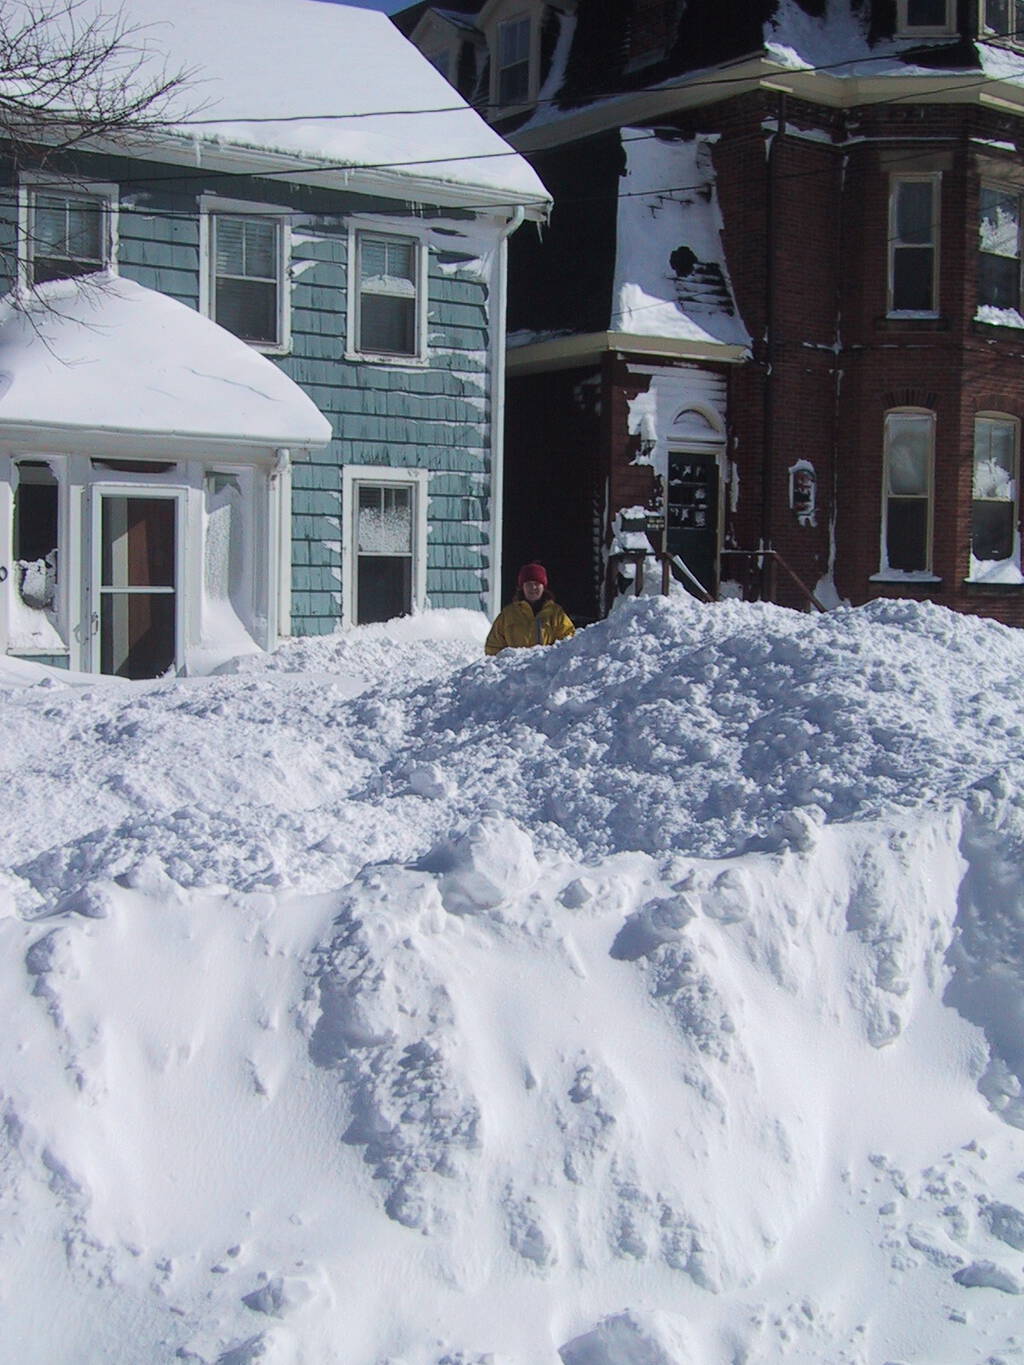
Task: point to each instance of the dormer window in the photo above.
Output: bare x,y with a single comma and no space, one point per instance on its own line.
1003,19
926,18
441,61
513,61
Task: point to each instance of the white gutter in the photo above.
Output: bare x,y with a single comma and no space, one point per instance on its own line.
499,313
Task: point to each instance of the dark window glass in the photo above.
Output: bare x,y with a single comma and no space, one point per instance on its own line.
514,62
906,540
992,530
999,248
926,13
384,588
1004,18
912,290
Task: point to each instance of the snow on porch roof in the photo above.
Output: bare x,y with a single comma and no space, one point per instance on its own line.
103,354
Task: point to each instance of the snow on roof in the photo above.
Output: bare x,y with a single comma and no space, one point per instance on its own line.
323,81
670,272
105,353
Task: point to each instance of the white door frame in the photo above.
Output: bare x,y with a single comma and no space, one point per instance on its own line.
98,490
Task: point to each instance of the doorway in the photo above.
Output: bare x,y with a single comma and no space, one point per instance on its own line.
692,514
135,613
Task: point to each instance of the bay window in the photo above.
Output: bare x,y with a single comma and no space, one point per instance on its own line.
907,496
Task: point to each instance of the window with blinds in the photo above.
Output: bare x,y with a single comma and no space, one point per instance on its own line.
68,235
247,267
389,295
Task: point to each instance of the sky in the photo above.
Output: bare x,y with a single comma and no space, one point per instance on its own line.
649,999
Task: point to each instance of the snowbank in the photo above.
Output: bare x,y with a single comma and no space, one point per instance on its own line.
655,999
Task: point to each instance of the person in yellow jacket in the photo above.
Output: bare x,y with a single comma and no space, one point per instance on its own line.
532,618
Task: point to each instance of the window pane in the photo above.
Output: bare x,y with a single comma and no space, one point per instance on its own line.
387,324
908,455
907,534
992,530
384,520
248,308
246,248
997,16
912,286
514,42
137,633
998,281
1000,222
67,236
138,546
914,211
383,589
994,460
926,13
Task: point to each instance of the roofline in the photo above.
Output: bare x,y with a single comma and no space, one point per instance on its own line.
761,73
53,438
584,348
180,149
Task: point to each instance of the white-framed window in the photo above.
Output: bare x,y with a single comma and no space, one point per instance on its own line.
512,61
999,247
994,508
1003,19
907,492
914,244
66,231
244,282
926,18
385,544
387,294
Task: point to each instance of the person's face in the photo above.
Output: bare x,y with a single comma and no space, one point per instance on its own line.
532,590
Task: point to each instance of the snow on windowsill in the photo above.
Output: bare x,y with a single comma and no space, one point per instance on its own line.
1005,572
999,317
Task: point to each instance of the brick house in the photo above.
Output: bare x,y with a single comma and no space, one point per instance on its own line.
778,304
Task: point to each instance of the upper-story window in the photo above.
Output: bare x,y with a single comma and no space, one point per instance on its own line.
387,318
922,18
513,61
246,288
907,494
66,232
913,244
999,248
1003,19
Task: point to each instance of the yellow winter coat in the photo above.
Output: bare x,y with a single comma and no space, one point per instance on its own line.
517,628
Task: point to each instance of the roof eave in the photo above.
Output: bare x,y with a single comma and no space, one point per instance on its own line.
586,348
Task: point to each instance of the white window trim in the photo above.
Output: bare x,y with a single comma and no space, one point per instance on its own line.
906,29
503,14
418,480
985,36
935,179
1015,553
886,574
31,182
211,206
376,227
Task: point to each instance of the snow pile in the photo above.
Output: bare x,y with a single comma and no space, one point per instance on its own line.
655,999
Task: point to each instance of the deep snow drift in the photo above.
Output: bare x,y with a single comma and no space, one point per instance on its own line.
655,999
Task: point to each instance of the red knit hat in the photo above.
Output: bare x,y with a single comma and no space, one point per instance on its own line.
532,573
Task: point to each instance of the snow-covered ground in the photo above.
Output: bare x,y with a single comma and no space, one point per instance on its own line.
655,999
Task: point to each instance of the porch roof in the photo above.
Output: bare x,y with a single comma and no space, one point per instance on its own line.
102,356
